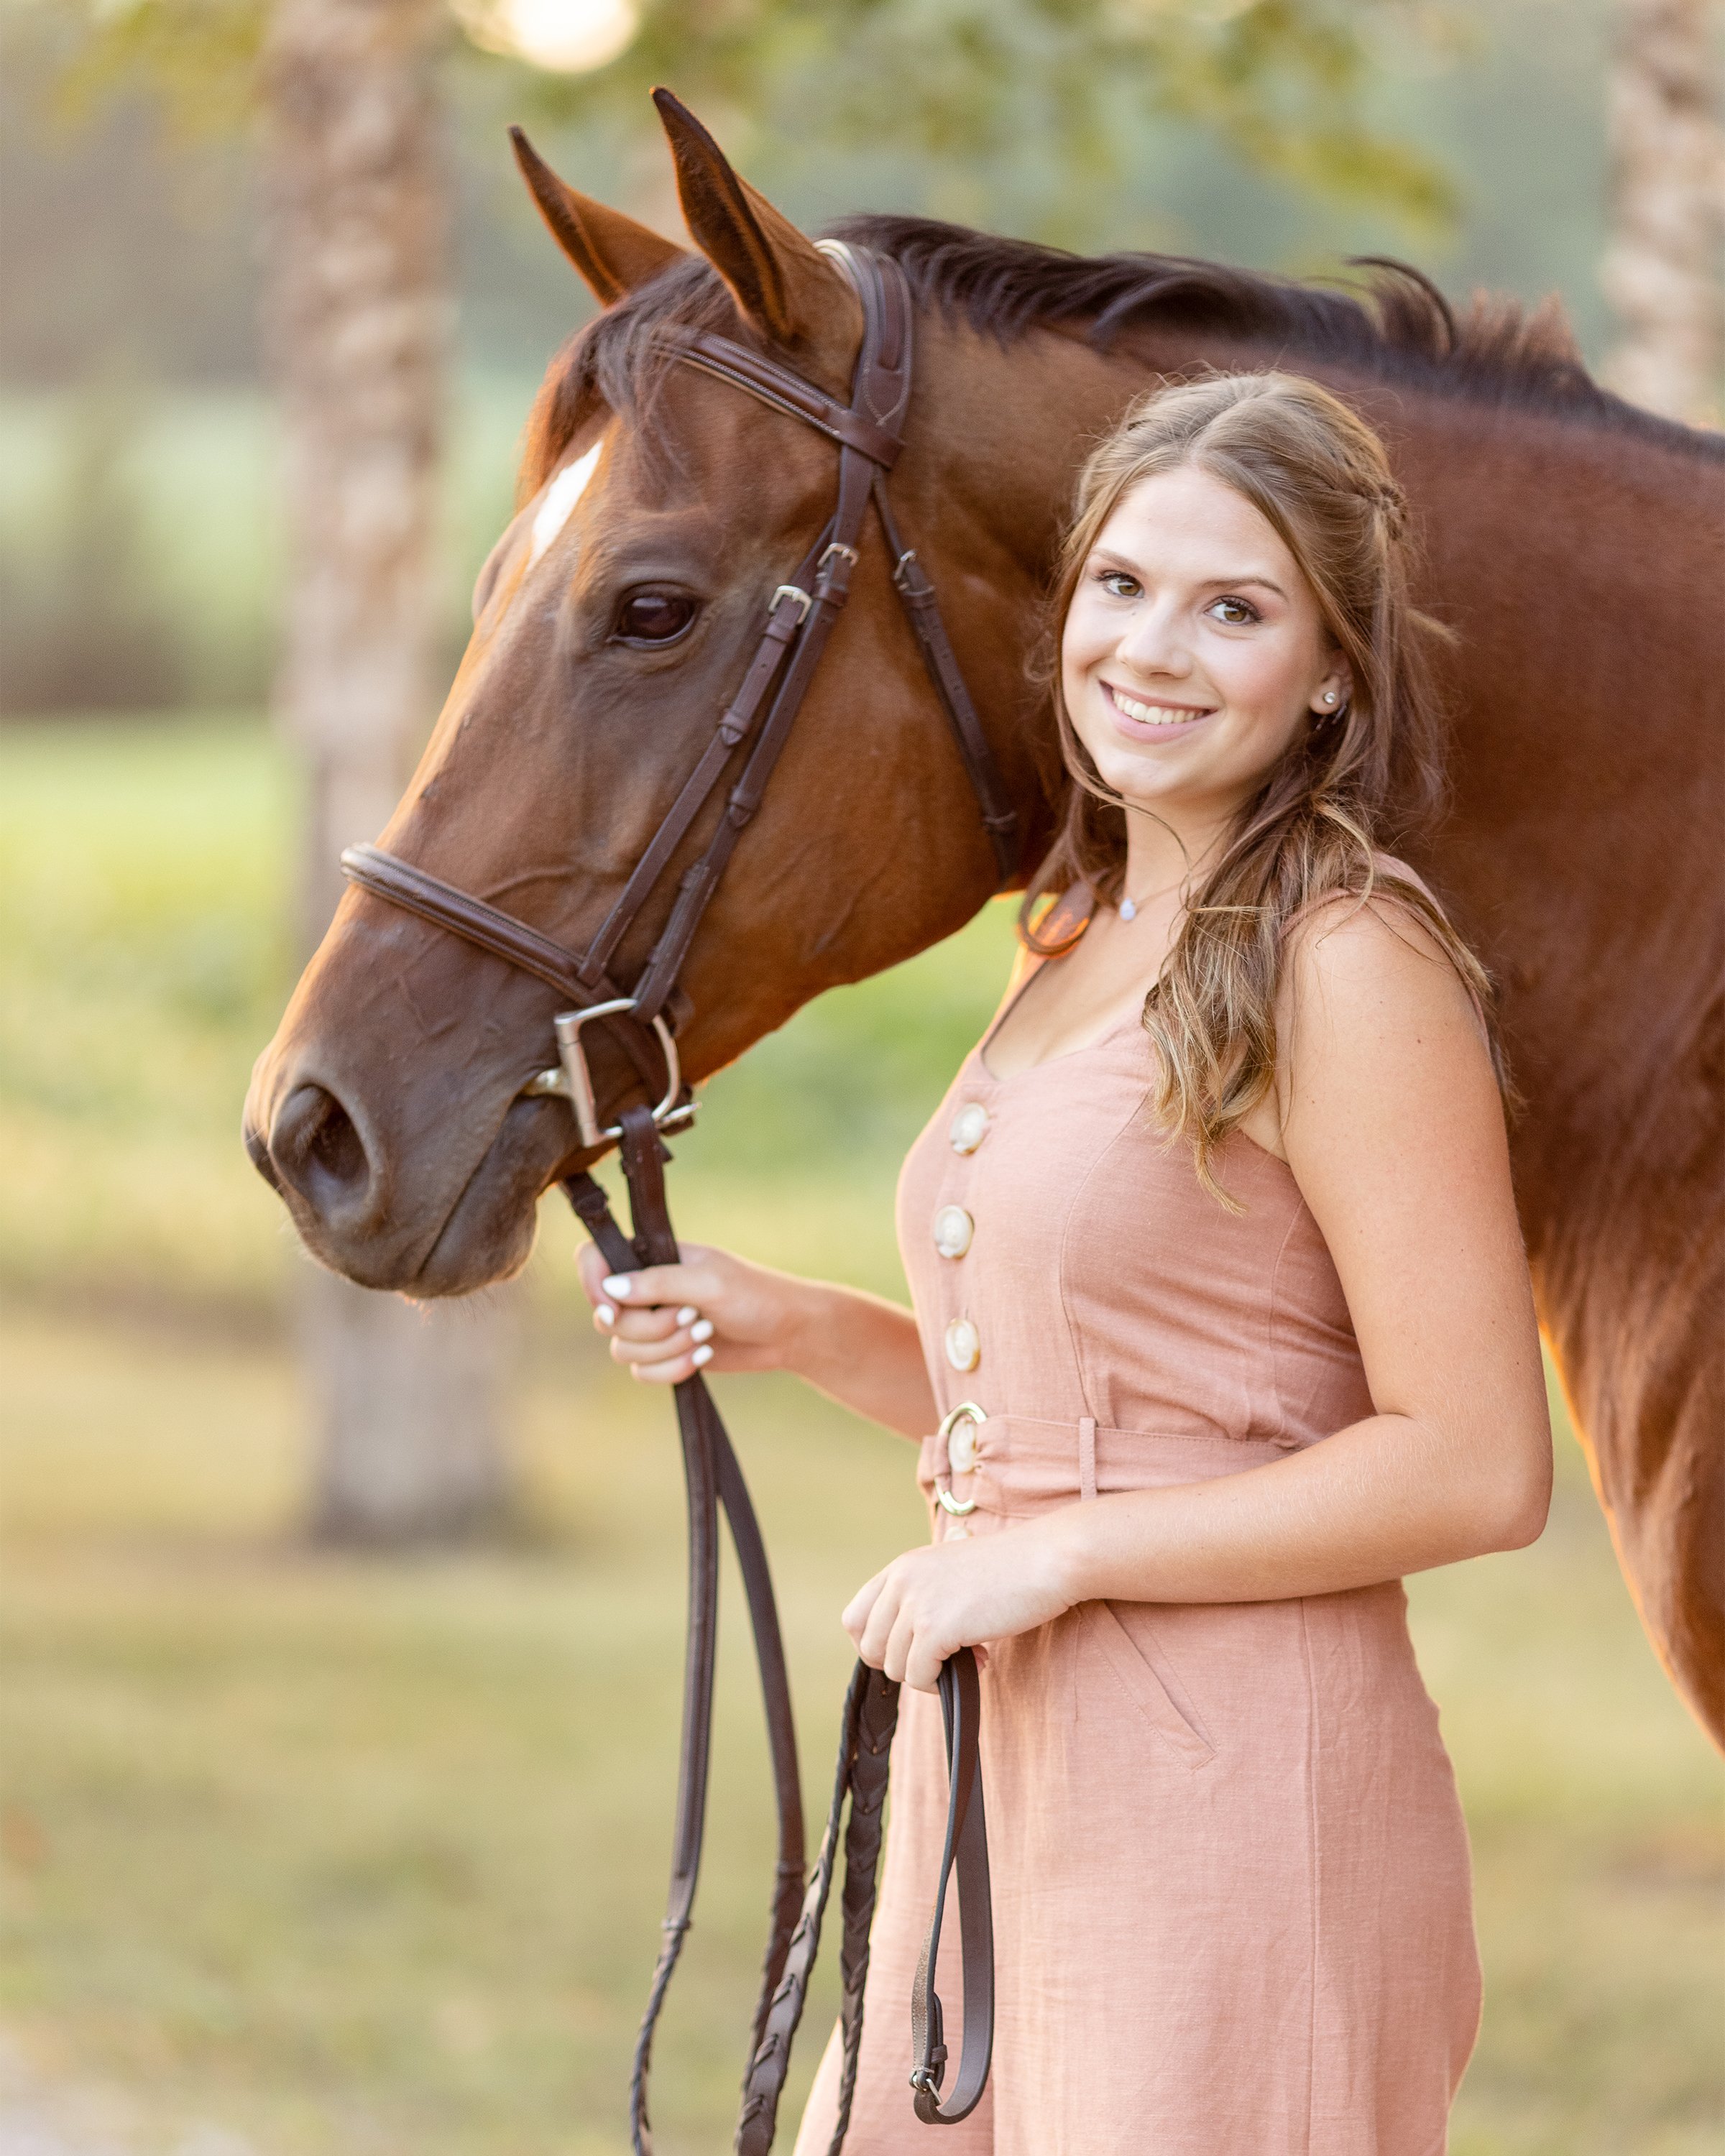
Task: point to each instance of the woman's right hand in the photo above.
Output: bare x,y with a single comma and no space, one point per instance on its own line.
712,1310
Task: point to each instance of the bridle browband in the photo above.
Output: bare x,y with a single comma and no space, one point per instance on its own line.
868,432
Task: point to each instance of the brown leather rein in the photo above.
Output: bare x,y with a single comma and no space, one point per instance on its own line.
868,432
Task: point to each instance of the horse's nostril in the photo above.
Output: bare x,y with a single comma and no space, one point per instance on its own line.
315,1147
336,1149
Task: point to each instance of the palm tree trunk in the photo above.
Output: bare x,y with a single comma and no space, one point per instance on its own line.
358,318
1664,272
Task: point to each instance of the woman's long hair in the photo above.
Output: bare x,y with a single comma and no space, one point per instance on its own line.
1350,785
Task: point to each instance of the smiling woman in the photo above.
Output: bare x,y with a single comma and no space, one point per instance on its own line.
1196,1407
1236,628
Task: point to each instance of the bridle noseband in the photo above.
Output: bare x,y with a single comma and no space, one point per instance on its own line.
868,432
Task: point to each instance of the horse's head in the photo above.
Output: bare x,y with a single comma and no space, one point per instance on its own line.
614,622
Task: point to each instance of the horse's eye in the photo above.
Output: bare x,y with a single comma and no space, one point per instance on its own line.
653,617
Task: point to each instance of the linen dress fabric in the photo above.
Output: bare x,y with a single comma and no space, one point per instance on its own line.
1232,1909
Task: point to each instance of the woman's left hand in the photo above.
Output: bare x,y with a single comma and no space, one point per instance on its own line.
929,1603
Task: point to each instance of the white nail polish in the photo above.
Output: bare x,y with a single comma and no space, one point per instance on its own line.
617,1285
605,1317
687,1316
704,1331
702,1355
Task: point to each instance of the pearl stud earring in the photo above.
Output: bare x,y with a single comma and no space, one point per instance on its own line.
1329,695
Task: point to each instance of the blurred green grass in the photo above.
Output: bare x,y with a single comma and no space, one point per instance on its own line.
143,954
341,1858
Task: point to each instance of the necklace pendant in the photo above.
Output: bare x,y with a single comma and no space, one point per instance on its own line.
1128,910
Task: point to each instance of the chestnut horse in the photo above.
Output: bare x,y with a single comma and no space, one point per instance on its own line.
1575,546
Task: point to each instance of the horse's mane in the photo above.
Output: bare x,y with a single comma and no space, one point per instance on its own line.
1392,323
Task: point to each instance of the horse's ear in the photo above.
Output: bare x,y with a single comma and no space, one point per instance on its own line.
779,278
612,253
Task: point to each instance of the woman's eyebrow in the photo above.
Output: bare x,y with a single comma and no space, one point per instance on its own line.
1231,583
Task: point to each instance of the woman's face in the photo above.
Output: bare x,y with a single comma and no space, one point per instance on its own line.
1194,651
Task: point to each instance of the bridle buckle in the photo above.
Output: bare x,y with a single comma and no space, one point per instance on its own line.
572,1082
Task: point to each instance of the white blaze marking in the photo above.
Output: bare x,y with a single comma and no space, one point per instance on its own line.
561,496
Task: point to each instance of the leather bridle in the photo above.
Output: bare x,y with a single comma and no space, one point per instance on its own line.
868,432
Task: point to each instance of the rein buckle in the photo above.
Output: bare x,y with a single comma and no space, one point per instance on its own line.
572,1082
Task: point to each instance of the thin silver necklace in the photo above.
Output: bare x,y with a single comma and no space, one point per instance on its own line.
1128,906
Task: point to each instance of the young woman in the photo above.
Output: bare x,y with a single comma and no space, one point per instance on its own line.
1223,1322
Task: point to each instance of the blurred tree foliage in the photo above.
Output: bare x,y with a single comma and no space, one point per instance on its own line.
1283,82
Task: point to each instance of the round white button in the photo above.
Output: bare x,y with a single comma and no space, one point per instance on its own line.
964,1345
954,1229
969,1128
960,1448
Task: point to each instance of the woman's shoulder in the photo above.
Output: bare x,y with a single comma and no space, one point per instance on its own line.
1395,894
1390,936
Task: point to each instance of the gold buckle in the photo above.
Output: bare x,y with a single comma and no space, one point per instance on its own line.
966,1411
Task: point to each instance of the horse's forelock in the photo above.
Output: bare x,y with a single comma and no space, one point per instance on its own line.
618,361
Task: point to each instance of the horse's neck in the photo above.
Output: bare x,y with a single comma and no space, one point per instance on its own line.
1575,563
1010,425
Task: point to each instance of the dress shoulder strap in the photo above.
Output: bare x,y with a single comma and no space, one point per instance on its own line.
1059,926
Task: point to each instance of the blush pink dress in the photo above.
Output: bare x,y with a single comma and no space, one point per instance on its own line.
1233,1910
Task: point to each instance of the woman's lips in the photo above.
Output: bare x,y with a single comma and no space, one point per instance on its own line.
1151,729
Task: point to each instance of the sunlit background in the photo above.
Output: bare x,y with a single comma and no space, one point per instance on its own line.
314,1849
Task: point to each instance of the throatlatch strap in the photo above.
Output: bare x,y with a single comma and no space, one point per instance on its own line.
922,610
